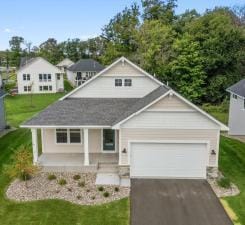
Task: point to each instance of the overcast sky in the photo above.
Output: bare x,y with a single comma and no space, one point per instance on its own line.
36,21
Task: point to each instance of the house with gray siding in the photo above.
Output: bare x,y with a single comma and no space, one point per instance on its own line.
2,111
237,108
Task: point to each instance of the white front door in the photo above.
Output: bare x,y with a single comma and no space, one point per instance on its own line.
168,160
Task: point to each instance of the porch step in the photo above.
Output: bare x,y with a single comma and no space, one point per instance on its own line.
107,167
91,168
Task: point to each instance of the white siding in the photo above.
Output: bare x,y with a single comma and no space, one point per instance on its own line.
40,66
122,69
71,77
170,103
170,120
237,116
171,134
104,87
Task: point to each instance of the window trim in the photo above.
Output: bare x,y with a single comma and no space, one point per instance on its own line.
102,143
234,96
68,137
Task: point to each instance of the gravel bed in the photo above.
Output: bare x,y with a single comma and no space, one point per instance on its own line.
39,188
223,192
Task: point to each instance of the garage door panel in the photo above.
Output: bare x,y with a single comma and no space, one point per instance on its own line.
168,160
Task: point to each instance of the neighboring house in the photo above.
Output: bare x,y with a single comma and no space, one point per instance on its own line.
83,70
1,80
37,75
64,64
125,121
2,111
237,108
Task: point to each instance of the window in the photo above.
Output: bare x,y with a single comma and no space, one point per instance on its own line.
108,140
40,88
50,88
27,88
61,136
24,76
45,88
118,82
45,77
49,77
58,76
234,96
28,77
68,136
40,77
127,82
75,136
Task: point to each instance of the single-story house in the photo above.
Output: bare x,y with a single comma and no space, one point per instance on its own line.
2,111
123,120
237,108
64,64
83,70
37,75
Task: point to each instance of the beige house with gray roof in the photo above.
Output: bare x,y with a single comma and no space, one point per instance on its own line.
125,121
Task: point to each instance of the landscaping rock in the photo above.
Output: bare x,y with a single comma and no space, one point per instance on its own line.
39,188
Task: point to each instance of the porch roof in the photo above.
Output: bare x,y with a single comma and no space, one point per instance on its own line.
91,111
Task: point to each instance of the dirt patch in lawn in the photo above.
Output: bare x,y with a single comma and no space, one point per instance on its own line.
79,189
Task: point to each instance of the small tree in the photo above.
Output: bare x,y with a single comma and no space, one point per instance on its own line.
22,166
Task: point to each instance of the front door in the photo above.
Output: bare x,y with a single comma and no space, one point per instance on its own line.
109,140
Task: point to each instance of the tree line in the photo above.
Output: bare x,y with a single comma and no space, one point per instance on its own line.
198,55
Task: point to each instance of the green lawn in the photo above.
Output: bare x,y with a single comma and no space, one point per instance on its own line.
19,108
232,164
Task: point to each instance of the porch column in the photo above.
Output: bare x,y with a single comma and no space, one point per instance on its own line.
34,145
86,153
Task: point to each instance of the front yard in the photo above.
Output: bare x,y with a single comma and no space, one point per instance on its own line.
232,164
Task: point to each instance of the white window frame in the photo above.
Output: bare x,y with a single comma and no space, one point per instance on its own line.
234,96
68,136
49,77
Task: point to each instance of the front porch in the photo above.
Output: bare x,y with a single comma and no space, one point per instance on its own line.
74,162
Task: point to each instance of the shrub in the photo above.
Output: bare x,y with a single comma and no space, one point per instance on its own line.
79,197
93,197
22,165
224,182
51,177
62,182
88,190
69,189
116,189
100,188
106,194
76,177
81,183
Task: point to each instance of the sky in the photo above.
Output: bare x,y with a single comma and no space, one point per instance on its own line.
36,21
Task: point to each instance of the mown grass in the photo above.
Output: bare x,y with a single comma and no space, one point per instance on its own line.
232,165
20,107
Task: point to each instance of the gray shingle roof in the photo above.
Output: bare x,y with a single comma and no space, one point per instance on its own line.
86,65
92,111
26,60
238,88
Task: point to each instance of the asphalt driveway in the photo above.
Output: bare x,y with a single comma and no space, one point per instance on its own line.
175,202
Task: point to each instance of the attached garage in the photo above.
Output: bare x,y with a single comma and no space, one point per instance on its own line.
179,159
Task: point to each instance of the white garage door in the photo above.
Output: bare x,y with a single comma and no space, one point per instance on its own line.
169,160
